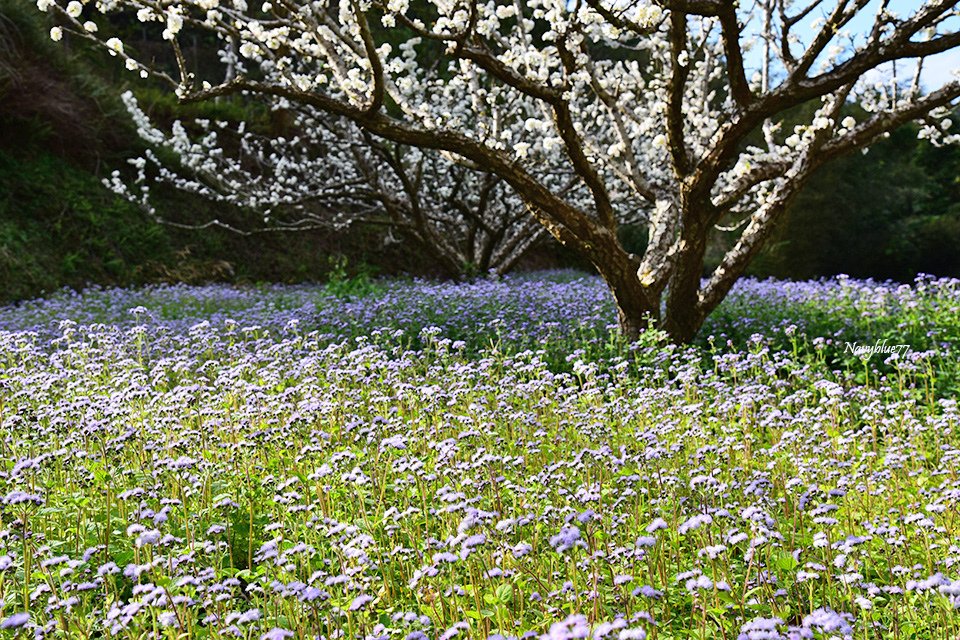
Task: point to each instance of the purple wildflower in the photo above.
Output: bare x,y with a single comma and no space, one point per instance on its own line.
566,539
15,621
761,629
359,602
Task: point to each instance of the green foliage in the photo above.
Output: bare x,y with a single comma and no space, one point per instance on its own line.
163,106
892,212
58,226
345,282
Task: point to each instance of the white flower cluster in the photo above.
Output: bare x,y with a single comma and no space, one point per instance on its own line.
329,176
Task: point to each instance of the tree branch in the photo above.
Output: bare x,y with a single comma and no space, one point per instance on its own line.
739,87
376,66
678,80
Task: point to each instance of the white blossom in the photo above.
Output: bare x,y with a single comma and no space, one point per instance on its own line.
115,46
174,24
249,50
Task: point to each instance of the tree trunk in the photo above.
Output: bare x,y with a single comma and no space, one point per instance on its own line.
634,315
684,316
638,306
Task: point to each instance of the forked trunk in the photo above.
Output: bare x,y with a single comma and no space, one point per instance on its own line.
635,314
638,307
684,315
682,327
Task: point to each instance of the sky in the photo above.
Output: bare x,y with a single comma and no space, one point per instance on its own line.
937,69
940,69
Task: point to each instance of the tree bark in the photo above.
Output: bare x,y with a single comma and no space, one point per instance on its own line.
638,307
683,314
634,313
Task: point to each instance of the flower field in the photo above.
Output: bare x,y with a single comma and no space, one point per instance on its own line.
478,460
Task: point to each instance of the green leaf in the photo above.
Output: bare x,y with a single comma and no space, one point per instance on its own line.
785,561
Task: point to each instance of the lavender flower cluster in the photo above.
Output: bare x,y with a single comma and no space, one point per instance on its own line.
276,463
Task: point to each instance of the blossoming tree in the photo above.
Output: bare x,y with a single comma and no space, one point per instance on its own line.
327,173
647,111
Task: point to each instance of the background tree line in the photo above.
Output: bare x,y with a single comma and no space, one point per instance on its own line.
892,213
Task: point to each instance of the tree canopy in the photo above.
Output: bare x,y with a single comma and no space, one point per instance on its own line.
594,113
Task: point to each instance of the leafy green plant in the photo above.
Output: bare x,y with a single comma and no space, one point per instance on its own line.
348,281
